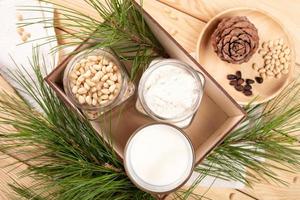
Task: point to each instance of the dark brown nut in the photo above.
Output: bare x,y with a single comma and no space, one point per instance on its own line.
239,88
240,81
247,87
249,81
238,74
233,82
259,80
231,77
247,92
235,39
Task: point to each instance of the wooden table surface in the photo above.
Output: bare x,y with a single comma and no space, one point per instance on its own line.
184,20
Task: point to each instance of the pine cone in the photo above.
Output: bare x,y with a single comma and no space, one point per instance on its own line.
235,40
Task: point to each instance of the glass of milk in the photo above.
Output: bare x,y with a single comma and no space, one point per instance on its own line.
170,91
159,158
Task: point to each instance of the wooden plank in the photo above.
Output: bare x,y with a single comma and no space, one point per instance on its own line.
184,28
273,191
9,173
186,34
218,194
287,12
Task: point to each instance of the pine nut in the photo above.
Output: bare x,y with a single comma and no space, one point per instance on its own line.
95,96
94,89
24,38
78,73
104,78
287,51
103,102
93,70
113,77
104,97
110,82
105,61
286,66
92,58
77,66
105,91
262,70
115,68
81,99
97,67
269,73
282,60
280,42
112,88
278,75
111,97
94,102
74,89
81,70
20,31
254,66
99,85
100,74
82,90
281,67
86,86
105,85
88,100
271,44
19,16
87,74
90,83
119,77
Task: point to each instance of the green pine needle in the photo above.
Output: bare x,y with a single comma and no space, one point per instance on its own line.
71,161
63,151
267,133
120,26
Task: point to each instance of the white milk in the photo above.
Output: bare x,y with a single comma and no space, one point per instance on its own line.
159,158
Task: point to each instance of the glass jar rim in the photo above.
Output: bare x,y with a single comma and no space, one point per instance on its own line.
179,64
150,187
71,64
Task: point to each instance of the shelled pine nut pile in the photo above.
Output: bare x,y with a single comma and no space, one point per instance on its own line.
95,81
277,56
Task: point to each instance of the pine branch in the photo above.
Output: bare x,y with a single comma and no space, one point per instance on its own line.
67,153
121,28
267,136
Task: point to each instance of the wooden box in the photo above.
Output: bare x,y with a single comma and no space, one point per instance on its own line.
217,115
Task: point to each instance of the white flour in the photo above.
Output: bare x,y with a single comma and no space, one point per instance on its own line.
170,92
160,155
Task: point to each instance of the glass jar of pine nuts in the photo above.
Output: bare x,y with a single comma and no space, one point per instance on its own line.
96,81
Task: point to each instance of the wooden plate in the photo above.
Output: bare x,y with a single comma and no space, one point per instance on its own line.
268,29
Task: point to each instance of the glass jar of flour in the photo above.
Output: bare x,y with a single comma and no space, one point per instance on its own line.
170,91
